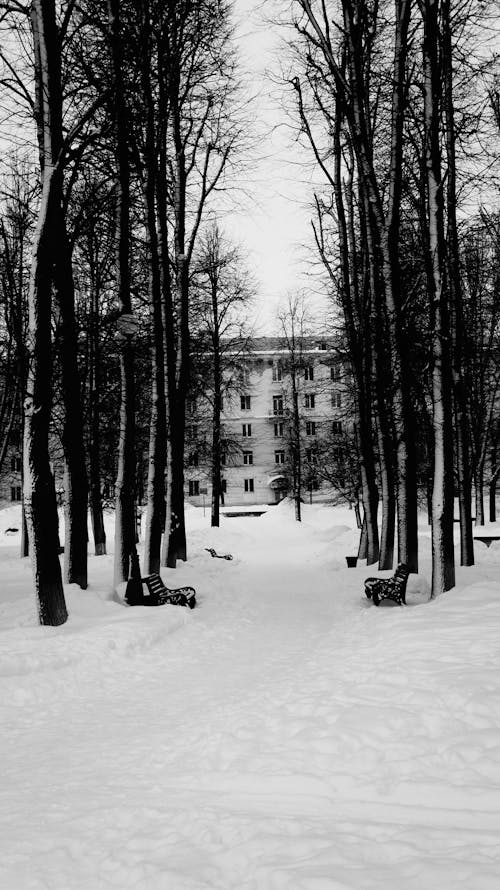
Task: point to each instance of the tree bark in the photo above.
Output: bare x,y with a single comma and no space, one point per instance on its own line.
456,304
125,480
155,516
76,482
39,494
443,563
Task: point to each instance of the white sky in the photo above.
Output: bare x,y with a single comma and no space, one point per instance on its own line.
274,226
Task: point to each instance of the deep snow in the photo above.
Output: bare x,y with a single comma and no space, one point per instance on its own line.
285,735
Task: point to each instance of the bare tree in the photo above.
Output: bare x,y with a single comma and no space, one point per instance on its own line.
223,290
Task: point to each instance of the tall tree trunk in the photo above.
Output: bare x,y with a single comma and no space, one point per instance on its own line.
155,516
175,527
216,419
125,480
443,562
492,493
76,482
96,511
456,304
296,452
356,315
39,494
479,492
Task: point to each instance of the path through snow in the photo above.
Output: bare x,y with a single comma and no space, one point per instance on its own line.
285,735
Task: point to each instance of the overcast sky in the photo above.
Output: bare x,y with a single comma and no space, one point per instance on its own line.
275,225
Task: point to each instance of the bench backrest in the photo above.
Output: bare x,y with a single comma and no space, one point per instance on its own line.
401,575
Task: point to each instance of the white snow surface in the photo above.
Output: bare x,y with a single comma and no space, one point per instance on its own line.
284,735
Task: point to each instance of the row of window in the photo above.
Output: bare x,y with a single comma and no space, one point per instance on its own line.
309,402
335,372
246,432
194,486
245,400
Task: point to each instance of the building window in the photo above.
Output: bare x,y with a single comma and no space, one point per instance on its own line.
193,459
194,488
311,456
248,457
223,486
245,403
248,484
309,373
246,430
191,406
15,493
278,430
221,403
337,399
277,404
245,376
223,459
15,464
277,372
323,346
192,432
336,372
336,427
310,428
279,457
310,400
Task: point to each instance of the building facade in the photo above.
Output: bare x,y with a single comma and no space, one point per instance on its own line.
257,424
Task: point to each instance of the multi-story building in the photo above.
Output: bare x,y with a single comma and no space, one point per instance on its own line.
257,423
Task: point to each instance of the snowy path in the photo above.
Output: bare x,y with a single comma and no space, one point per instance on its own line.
283,735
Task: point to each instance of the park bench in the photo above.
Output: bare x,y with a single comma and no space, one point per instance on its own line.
487,539
218,555
157,594
378,589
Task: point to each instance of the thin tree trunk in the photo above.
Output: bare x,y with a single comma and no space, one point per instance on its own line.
96,511
479,493
443,562
125,480
216,420
157,442
456,305
76,482
492,497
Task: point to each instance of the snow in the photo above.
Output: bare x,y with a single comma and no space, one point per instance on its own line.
284,735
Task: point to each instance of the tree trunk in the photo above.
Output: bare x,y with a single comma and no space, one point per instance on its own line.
296,455
479,493
155,516
443,562
356,315
174,545
76,482
96,511
216,420
125,480
493,495
39,494
456,305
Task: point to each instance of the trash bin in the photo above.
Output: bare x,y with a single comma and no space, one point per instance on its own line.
351,562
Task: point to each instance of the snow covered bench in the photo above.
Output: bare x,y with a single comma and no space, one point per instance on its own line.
156,594
378,589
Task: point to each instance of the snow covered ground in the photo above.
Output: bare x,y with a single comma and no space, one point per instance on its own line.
285,735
